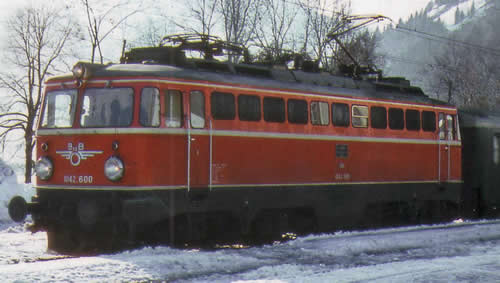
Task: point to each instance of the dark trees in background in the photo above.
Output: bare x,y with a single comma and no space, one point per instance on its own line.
466,70
466,77
362,46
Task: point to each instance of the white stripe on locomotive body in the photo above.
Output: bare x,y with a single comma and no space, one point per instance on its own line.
331,96
246,134
215,187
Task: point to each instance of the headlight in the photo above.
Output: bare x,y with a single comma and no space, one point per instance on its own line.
44,168
114,168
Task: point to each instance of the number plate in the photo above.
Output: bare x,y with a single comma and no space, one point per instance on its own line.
78,179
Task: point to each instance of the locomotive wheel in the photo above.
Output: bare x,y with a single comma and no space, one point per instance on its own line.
61,241
77,242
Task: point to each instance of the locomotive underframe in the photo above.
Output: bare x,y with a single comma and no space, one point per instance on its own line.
84,220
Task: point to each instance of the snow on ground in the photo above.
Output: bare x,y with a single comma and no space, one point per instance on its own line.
9,187
463,252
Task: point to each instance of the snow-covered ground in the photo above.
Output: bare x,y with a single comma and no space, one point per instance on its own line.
454,252
464,252
10,187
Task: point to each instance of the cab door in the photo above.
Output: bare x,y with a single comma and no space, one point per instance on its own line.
447,134
198,140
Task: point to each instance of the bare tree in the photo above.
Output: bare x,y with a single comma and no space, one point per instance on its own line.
204,13
362,47
152,32
37,38
239,18
275,22
465,77
102,22
321,20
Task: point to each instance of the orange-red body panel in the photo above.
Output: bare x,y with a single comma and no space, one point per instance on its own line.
239,153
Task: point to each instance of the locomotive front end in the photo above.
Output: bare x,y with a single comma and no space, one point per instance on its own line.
94,178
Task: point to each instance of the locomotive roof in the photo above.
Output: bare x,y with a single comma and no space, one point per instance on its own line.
269,77
479,119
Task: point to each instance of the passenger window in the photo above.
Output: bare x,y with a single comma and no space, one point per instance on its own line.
222,105
340,114
496,149
429,121
359,116
173,109
197,106
378,117
396,119
149,115
412,120
297,111
249,107
274,109
319,113
442,127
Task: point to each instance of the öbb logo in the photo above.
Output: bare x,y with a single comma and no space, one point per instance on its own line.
75,154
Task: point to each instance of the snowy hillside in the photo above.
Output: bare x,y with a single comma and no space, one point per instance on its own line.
434,44
456,12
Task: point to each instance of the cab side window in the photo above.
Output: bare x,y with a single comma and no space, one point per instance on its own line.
173,108
197,106
442,127
150,107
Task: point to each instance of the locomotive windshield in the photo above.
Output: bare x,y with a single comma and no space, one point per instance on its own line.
107,107
59,110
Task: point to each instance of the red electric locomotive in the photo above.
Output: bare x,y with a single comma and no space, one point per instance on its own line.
170,149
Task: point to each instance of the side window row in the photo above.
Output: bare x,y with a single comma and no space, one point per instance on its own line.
223,107
249,109
150,113
396,118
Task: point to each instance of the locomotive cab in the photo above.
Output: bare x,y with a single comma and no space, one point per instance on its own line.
106,154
